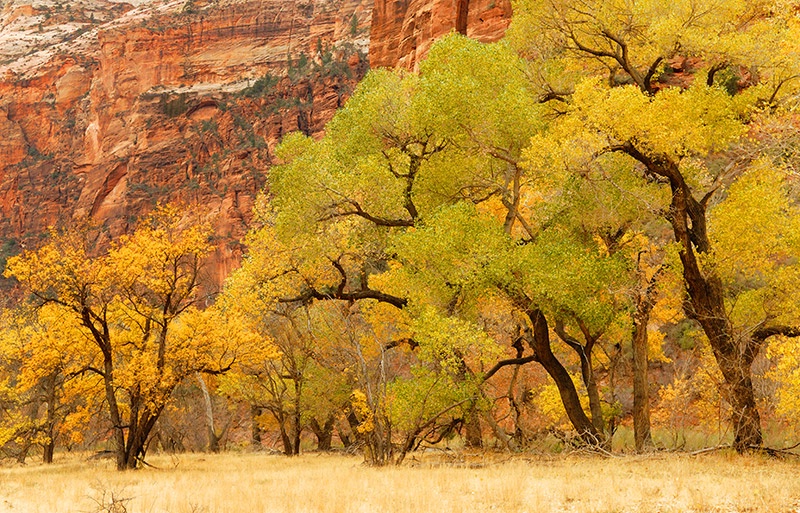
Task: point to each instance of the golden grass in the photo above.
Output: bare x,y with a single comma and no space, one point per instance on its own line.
258,483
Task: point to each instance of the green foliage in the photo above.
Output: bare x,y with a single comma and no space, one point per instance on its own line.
423,396
174,107
261,87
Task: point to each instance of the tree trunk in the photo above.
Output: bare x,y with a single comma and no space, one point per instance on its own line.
324,433
736,370
540,343
22,455
707,306
297,417
50,421
345,437
472,426
287,442
645,301
138,434
213,437
595,406
706,298
587,370
116,420
48,450
255,431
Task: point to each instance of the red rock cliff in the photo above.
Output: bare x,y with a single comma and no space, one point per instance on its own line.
108,107
403,30
162,102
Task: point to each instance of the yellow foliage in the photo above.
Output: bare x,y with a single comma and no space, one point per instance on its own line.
362,410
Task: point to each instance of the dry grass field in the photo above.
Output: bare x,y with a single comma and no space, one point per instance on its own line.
258,483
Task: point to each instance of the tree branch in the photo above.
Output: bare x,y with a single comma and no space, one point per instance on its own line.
311,293
504,363
765,332
358,211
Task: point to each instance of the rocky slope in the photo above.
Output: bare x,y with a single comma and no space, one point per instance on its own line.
109,107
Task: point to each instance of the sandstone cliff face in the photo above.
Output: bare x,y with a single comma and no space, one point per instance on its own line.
155,103
403,30
108,107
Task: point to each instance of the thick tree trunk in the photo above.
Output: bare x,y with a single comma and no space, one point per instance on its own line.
540,343
706,301
737,372
707,306
324,432
48,450
255,427
472,426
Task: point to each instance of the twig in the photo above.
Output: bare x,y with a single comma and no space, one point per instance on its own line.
710,449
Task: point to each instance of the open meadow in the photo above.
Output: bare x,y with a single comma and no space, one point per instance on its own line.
253,482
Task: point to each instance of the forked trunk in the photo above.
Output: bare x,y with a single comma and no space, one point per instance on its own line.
540,343
323,433
737,372
706,298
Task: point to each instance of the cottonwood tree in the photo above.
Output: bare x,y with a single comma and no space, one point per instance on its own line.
48,392
689,133
135,305
430,212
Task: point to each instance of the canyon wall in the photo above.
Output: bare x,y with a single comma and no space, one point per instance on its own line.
403,30
108,107
164,101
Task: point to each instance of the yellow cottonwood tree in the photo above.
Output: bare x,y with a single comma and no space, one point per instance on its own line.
133,304
45,361
695,135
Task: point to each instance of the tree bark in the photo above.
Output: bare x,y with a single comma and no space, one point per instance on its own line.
213,437
297,416
50,421
287,441
255,431
746,421
587,371
48,450
645,301
324,432
472,426
540,343
706,300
